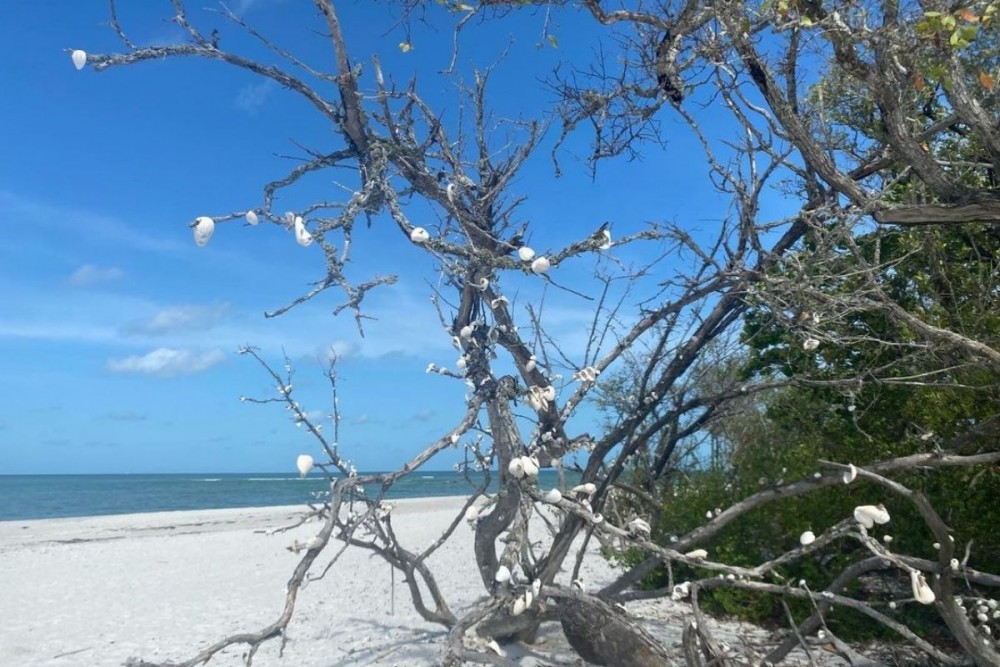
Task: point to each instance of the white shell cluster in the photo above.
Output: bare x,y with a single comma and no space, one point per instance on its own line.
588,374
540,397
304,463
419,235
869,515
204,227
523,602
523,466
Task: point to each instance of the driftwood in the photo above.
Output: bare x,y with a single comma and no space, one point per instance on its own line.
604,635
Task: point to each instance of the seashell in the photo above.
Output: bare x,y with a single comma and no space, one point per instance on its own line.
502,575
869,515
697,554
850,473
536,587
530,364
525,253
304,463
681,591
552,497
516,468
465,332
588,489
461,363
518,607
471,514
419,235
597,518
578,584
251,217
921,591
588,374
204,227
79,58
491,644
954,564
302,236
639,526
529,597
549,393
530,466
810,344
606,242
540,265
807,538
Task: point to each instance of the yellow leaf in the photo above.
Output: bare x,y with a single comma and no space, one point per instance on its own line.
968,15
405,47
987,81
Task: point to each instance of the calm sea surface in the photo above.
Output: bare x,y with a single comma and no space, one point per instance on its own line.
52,496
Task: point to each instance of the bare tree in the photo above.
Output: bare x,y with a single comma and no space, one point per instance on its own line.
767,67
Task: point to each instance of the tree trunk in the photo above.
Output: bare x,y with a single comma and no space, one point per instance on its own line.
604,635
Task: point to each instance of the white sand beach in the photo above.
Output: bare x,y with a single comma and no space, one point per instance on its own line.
96,591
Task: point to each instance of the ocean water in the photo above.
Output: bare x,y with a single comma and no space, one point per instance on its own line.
52,496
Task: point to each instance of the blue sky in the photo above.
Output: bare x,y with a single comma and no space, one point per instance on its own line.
118,334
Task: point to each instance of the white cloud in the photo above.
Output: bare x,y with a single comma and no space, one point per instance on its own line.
90,274
176,319
254,95
167,362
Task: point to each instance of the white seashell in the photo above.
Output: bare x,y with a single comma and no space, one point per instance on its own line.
588,489
419,235
536,587
552,497
807,538
304,463
606,243
493,646
525,253
465,332
850,474
955,565
529,597
578,585
598,518
516,468
302,236
639,527
502,575
697,554
540,265
530,466
887,539
549,393
681,591
937,546
536,402
79,58
921,591
454,438
471,514
204,227
518,607
461,363
251,217
869,515
810,344
892,604
450,190
530,364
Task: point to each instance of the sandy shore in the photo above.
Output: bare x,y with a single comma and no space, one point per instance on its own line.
96,591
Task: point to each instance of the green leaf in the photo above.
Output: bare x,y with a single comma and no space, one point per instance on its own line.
553,41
